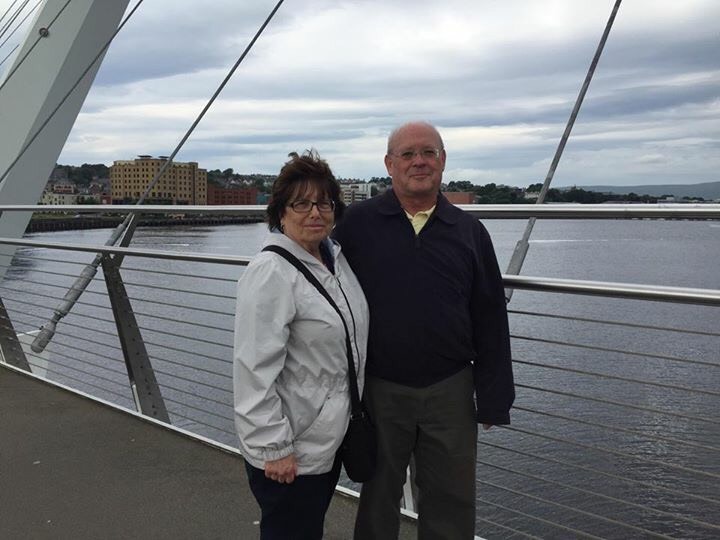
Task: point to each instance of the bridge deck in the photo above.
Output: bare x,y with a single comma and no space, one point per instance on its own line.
74,468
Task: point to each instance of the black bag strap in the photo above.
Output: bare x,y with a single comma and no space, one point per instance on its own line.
304,270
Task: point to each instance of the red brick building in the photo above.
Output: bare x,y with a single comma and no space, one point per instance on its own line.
230,196
460,197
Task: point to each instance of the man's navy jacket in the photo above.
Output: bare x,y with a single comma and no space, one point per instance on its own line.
437,302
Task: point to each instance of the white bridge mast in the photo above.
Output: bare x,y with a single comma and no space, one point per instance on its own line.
33,86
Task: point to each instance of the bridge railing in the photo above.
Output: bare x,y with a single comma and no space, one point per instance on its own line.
615,430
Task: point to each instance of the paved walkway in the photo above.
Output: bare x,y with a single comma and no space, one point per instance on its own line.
71,468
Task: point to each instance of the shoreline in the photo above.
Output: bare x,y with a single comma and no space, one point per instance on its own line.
109,222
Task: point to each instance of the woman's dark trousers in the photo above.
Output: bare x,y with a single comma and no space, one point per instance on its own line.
293,511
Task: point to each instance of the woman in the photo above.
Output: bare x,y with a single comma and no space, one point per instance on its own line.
292,401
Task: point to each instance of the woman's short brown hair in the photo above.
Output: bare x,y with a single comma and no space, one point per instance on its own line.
298,176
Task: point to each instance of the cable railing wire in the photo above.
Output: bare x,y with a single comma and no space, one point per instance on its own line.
51,285
201,410
618,429
623,502
618,403
121,372
624,479
188,366
610,451
196,339
193,381
47,296
50,272
619,351
161,288
164,385
95,354
165,273
617,378
68,334
197,422
614,323
20,255
576,532
90,365
181,306
585,513
77,383
179,321
66,376
185,351
507,528
81,315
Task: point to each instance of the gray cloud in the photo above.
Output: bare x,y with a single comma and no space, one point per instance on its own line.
499,78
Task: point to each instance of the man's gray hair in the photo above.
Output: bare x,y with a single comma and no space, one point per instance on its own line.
397,130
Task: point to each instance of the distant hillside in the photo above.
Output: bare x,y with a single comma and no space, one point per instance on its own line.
707,190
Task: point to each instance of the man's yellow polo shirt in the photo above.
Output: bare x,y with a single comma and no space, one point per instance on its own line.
420,219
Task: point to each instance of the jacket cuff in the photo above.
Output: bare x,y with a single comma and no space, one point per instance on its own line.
493,417
273,454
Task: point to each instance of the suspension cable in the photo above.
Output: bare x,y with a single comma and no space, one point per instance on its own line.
20,24
128,225
29,51
12,18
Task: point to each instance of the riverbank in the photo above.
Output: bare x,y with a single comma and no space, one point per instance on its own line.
108,222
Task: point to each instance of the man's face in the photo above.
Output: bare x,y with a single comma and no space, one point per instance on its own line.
416,162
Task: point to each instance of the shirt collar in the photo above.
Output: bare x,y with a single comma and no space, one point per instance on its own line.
444,210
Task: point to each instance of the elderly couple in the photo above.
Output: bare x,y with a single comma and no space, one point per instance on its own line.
417,281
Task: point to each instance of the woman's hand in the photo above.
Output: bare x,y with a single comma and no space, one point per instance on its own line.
282,470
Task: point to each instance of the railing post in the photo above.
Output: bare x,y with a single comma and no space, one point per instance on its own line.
145,388
10,347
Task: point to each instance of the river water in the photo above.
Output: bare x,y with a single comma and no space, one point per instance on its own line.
639,428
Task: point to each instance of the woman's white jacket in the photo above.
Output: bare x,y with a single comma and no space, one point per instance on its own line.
290,360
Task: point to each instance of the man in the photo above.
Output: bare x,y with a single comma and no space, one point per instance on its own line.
438,335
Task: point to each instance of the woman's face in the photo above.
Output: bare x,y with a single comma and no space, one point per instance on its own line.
308,228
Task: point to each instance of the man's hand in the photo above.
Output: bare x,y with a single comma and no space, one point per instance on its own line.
487,426
282,470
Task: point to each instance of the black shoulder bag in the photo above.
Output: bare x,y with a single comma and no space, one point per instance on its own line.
359,446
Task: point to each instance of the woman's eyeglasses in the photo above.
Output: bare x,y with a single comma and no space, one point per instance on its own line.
303,206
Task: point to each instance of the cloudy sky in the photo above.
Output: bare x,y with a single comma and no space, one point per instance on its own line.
498,77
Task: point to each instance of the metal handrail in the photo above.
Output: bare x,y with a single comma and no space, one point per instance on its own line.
488,211
190,376
710,297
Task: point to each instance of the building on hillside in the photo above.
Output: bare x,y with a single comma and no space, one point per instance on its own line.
230,196
460,197
50,197
355,192
65,187
182,183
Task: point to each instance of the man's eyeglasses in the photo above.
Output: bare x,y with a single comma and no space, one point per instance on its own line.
303,206
425,153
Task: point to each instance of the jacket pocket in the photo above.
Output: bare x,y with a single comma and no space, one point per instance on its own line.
323,437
